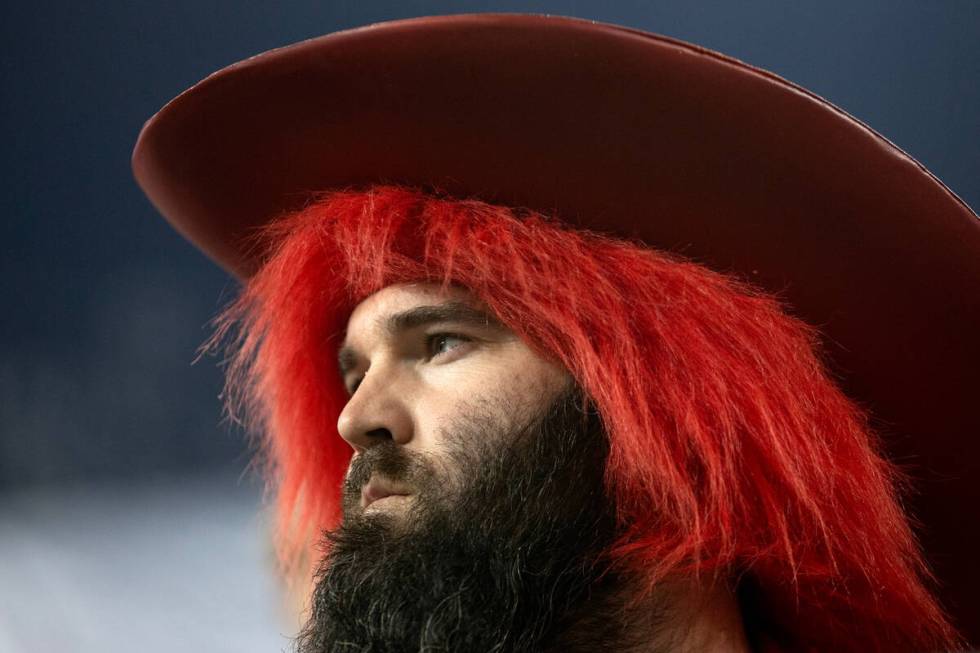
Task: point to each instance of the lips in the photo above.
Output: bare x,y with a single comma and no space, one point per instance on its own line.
379,488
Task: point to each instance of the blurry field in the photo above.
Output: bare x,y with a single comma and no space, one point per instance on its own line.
162,566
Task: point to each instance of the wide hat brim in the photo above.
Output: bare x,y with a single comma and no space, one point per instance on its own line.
638,135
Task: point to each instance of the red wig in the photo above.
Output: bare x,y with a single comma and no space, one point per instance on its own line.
732,453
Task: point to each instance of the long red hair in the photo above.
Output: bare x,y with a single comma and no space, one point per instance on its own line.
731,450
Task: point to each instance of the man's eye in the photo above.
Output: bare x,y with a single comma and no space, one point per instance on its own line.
442,343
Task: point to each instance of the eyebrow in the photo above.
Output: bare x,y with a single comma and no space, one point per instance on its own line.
452,311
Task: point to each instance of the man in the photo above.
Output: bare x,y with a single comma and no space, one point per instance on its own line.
564,440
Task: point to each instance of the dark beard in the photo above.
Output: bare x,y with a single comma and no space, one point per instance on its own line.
498,561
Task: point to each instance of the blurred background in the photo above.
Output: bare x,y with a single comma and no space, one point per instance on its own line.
128,519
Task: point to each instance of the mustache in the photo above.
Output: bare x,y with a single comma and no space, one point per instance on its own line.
384,459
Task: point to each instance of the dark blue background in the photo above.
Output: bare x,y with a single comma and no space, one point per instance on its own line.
103,305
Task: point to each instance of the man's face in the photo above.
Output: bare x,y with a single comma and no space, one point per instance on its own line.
415,360
501,519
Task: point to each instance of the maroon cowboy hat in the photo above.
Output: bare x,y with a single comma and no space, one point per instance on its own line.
634,134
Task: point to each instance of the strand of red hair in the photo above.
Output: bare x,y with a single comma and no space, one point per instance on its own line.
732,453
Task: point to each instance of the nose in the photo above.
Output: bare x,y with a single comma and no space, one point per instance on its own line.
377,411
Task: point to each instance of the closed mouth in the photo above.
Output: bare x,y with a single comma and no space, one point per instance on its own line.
379,488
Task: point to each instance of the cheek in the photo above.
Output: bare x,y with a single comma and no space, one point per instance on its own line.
511,384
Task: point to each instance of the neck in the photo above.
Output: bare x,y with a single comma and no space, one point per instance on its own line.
679,617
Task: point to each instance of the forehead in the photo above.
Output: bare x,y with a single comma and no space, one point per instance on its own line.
369,315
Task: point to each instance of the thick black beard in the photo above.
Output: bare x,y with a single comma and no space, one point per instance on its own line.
498,559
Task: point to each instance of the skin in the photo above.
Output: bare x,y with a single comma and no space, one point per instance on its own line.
409,382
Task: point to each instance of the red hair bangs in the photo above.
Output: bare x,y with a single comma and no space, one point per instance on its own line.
732,453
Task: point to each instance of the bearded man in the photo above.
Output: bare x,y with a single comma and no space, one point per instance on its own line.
547,432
